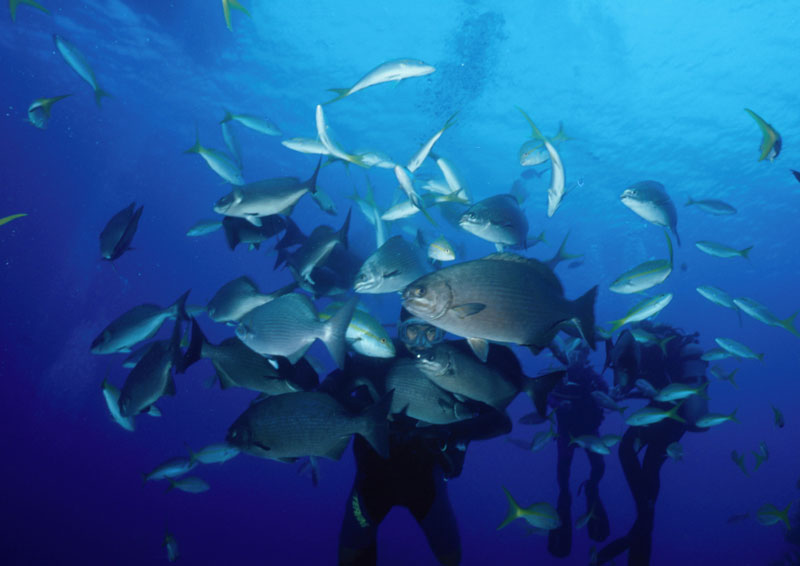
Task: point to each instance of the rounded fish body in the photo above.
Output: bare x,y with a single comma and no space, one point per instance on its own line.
500,298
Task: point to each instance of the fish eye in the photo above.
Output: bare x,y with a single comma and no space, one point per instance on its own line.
420,291
471,215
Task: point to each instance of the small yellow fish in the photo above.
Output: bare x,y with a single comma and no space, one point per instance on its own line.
771,139
226,7
12,5
8,219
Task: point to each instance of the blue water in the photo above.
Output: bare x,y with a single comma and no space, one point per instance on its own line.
650,90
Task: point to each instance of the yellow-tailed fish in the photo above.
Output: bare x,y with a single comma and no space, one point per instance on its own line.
395,70
721,250
556,191
220,163
540,515
226,8
643,310
8,219
644,276
39,110
80,65
257,123
419,157
763,314
12,5
770,140
738,349
327,140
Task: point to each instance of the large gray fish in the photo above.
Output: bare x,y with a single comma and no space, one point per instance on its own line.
650,200
240,231
307,423
501,298
238,297
289,325
151,378
464,375
316,250
239,366
138,324
116,237
265,198
391,267
80,65
497,219
418,397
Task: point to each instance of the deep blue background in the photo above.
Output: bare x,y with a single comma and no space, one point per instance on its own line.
648,90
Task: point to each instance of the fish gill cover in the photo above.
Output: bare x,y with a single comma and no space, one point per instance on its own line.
694,103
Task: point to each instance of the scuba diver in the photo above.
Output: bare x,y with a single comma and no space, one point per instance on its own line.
664,356
577,414
422,457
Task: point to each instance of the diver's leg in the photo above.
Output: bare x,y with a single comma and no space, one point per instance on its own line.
633,475
598,523
358,539
654,458
559,540
439,524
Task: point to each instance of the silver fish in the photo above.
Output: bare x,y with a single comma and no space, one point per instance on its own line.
497,219
257,123
394,70
188,485
316,250
80,65
214,454
111,395
203,227
501,298
712,206
289,325
239,366
649,199
138,324
39,110
391,267
464,375
265,198
419,398
238,297
309,423
173,468
117,235
151,378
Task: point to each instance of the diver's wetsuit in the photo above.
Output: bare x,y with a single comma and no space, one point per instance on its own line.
421,460
680,363
577,414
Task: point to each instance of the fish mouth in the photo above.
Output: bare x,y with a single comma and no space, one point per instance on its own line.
361,286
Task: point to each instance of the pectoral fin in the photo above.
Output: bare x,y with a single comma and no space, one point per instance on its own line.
468,309
254,220
480,347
